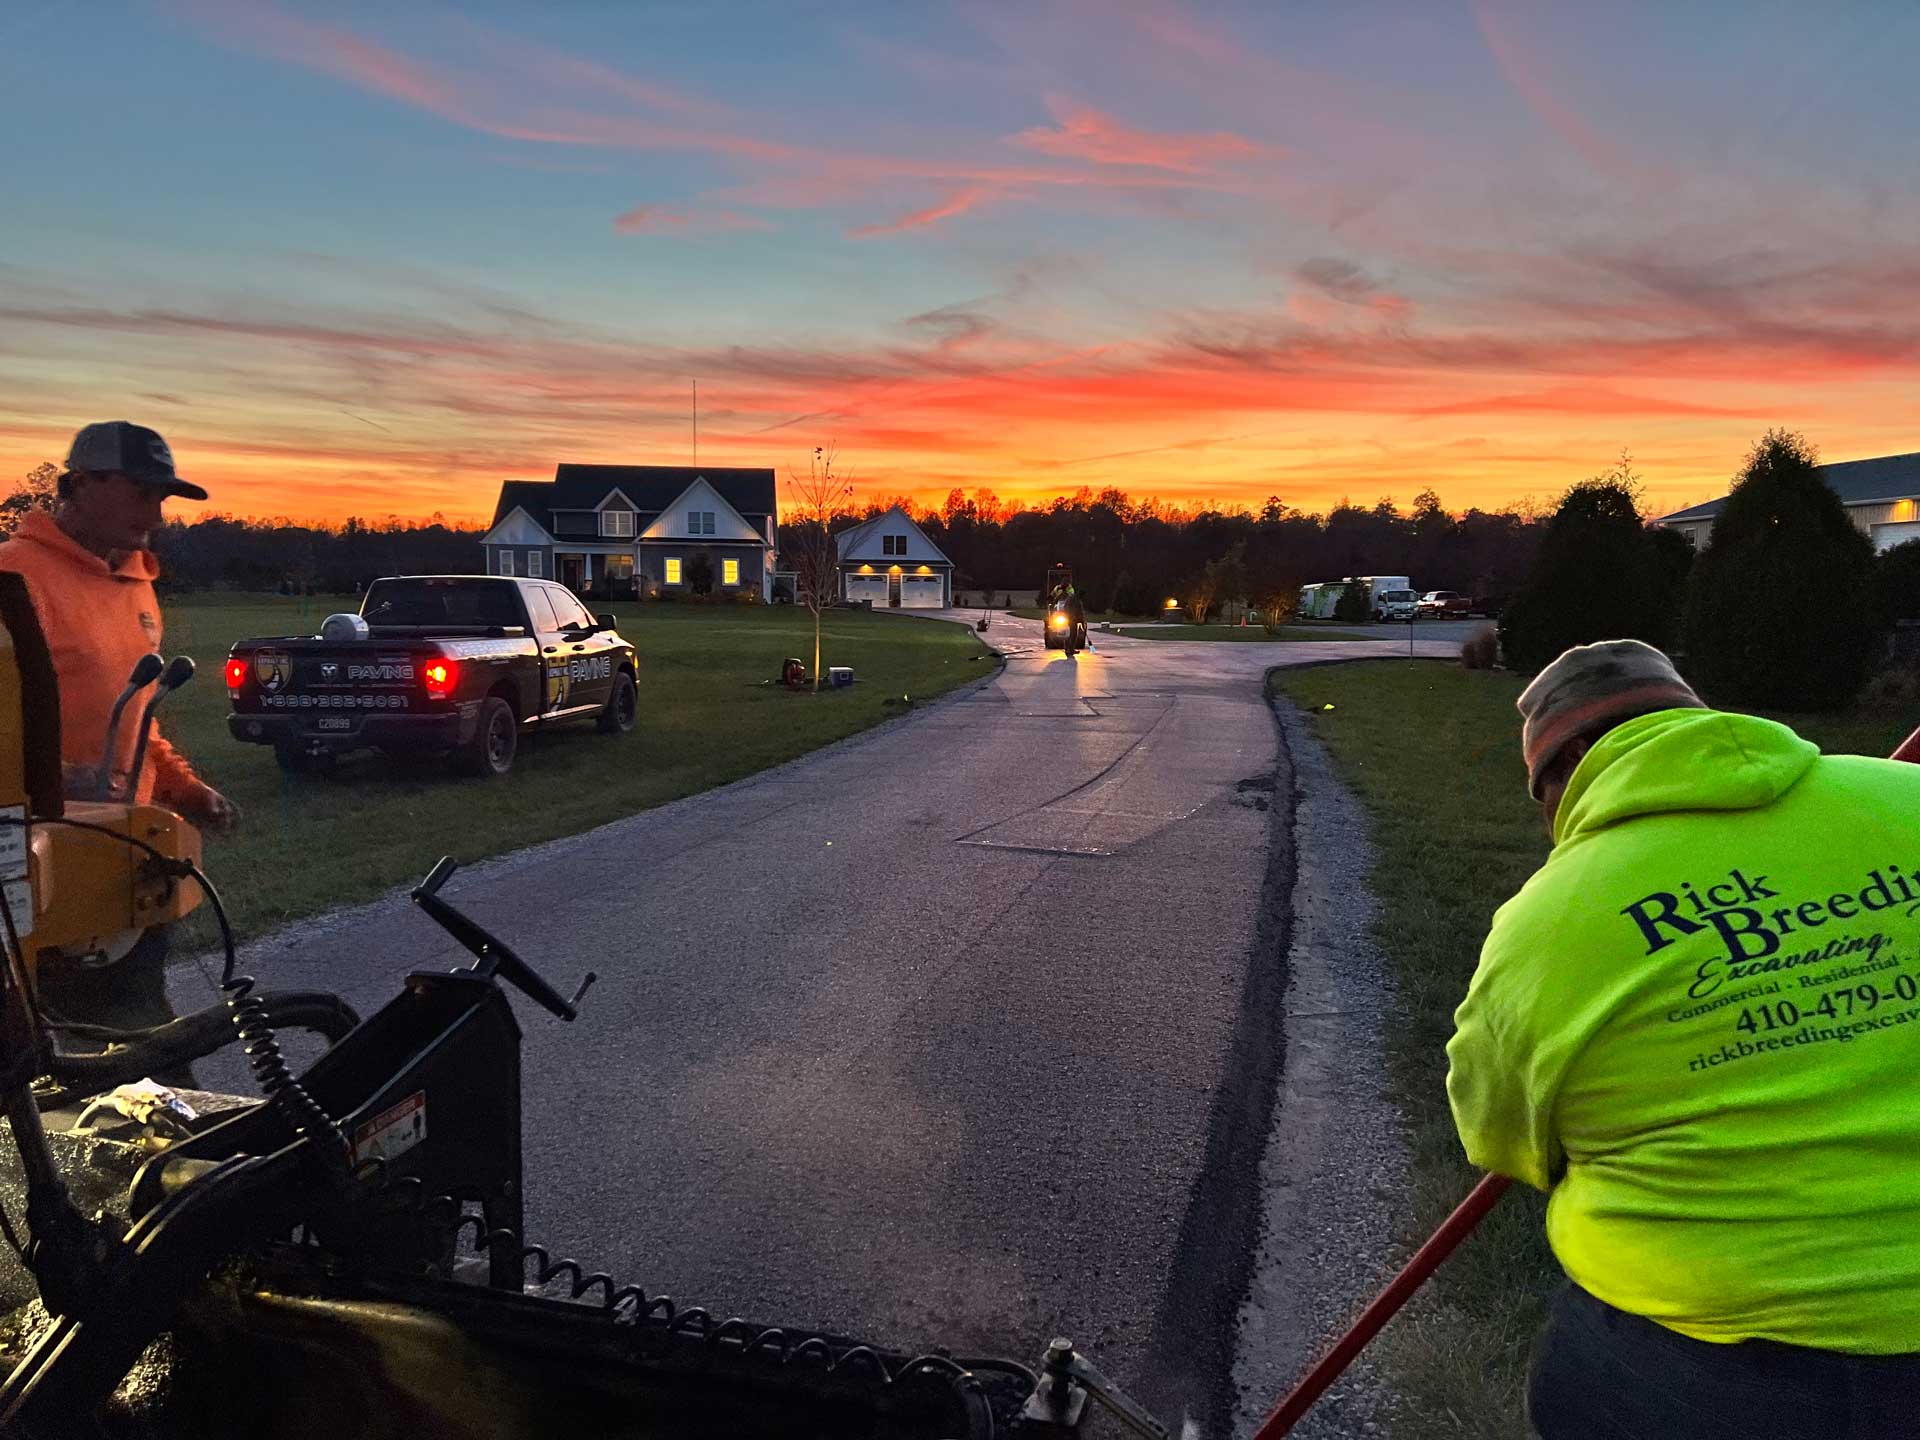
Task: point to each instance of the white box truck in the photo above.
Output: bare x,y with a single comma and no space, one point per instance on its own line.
1378,587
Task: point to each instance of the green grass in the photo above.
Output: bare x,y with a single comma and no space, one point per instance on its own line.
1243,633
1433,751
709,713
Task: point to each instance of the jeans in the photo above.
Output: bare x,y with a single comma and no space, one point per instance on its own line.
1602,1374
129,994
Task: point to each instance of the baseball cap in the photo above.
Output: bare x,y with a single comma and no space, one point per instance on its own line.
1592,688
132,450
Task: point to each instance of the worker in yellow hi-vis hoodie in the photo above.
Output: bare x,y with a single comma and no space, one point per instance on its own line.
1697,1027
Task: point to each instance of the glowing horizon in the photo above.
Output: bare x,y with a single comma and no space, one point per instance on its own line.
378,267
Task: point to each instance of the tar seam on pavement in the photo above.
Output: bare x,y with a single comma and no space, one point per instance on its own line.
1191,1349
1336,1162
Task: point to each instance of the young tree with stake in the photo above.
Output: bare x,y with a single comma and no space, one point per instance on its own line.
815,559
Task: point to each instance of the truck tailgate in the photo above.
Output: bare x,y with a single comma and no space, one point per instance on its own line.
332,689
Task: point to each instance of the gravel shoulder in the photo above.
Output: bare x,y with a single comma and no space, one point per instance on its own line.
1336,1158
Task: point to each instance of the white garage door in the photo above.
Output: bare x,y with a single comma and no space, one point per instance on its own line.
867,587
920,592
1885,537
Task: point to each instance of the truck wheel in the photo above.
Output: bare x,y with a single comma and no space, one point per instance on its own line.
496,736
623,706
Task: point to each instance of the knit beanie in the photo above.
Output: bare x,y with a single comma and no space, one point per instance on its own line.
1591,688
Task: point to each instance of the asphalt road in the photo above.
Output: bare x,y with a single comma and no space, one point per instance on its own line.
961,1032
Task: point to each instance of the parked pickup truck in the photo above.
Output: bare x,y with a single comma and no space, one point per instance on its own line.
453,665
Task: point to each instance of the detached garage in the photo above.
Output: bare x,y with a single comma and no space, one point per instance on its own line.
1881,496
890,562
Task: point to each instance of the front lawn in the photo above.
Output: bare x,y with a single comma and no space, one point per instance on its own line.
709,713
1434,752
1247,633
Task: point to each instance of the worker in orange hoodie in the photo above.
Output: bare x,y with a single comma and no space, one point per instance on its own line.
90,575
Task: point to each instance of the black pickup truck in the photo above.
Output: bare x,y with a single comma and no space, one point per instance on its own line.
454,665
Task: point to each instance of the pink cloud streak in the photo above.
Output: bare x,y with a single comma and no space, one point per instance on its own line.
958,203
1097,138
1093,150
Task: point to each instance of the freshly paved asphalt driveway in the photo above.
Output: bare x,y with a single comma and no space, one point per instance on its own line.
956,1033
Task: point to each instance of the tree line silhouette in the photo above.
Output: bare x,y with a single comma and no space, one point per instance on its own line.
1128,555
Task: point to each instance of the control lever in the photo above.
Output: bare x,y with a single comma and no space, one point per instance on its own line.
145,671
178,672
492,955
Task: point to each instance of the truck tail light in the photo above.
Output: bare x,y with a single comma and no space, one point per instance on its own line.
440,676
236,673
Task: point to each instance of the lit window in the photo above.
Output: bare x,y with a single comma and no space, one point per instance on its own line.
673,570
506,562
617,524
533,563
729,572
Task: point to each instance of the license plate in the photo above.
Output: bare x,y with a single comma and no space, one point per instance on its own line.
334,722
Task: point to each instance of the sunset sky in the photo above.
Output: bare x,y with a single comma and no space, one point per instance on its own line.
374,259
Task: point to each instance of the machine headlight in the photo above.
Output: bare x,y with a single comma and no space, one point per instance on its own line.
1059,622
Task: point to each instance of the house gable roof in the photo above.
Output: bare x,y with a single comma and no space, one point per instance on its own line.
728,523
1856,482
626,501
862,542
650,488
516,527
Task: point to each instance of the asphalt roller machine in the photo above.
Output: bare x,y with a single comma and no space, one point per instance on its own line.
343,1254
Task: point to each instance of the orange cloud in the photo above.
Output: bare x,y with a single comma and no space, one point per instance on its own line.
958,203
323,412
1087,134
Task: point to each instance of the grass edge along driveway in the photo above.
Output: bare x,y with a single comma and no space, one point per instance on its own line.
1433,751
710,713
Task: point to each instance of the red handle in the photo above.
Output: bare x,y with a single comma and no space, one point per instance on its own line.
1909,748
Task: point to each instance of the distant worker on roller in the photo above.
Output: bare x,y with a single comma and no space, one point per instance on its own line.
1066,622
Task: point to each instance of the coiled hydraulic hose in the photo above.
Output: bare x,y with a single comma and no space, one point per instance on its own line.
304,1115
282,1089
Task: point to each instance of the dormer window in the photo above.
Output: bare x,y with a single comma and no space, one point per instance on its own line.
893,544
616,524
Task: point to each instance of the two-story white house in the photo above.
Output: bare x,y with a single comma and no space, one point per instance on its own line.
615,531
890,561
1881,496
